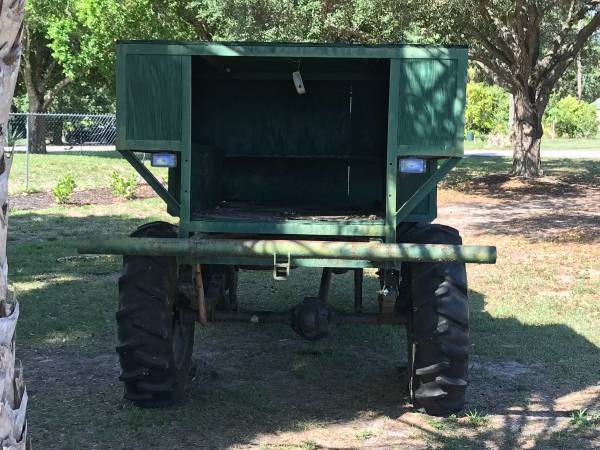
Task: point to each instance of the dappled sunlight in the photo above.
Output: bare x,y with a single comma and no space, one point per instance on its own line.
534,354
65,338
43,281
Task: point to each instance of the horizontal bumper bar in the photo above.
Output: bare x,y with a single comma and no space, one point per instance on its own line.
369,251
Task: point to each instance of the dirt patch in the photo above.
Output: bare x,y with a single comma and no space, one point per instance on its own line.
506,369
521,209
507,187
99,196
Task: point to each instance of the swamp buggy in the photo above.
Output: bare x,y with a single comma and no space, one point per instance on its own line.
283,156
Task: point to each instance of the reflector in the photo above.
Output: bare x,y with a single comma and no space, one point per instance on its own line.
164,160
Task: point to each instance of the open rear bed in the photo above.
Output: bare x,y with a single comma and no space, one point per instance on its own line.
262,151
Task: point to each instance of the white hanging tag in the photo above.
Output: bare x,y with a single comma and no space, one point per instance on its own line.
298,83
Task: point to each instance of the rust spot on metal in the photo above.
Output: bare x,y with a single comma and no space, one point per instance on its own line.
202,315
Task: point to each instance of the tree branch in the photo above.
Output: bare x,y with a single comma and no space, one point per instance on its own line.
51,94
188,16
47,74
502,73
27,67
554,64
559,46
499,31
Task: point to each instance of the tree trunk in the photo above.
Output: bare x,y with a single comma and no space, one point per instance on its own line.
13,396
37,128
526,136
579,78
56,131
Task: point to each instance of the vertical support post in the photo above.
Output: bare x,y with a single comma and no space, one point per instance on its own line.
388,295
358,290
27,152
391,172
325,283
393,150
186,146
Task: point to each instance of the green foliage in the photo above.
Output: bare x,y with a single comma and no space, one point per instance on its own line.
582,419
123,187
476,419
487,109
590,61
301,20
364,435
75,40
81,34
571,117
64,189
436,424
12,136
309,445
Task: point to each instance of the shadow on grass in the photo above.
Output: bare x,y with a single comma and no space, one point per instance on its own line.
550,220
257,380
561,207
490,176
98,153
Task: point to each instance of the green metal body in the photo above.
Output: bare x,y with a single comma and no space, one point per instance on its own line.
257,158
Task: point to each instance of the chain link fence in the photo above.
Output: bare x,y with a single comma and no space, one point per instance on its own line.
49,132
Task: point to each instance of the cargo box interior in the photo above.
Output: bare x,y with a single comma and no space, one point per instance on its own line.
260,149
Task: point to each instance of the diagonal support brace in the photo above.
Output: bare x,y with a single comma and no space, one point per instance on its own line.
425,189
149,177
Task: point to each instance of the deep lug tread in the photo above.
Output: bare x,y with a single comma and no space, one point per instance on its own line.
134,375
451,306
159,332
127,347
123,313
430,390
454,351
152,293
434,368
166,386
150,360
137,396
146,321
447,381
439,324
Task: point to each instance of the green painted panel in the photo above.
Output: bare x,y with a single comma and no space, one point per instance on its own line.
292,50
294,262
244,136
371,228
430,104
153,97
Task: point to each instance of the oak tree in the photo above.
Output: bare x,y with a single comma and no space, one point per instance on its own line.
526,45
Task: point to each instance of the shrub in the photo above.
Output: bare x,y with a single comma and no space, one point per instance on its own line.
64,189
123,187
487,109
571,117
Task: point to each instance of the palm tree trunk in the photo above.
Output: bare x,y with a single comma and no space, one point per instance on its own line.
13,395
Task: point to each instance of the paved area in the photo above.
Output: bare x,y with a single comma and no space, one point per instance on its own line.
571,154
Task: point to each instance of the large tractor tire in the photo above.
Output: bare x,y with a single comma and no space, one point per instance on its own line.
155,326
438,325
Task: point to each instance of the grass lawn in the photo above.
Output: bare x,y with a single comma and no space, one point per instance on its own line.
535,365
90,170
547,143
